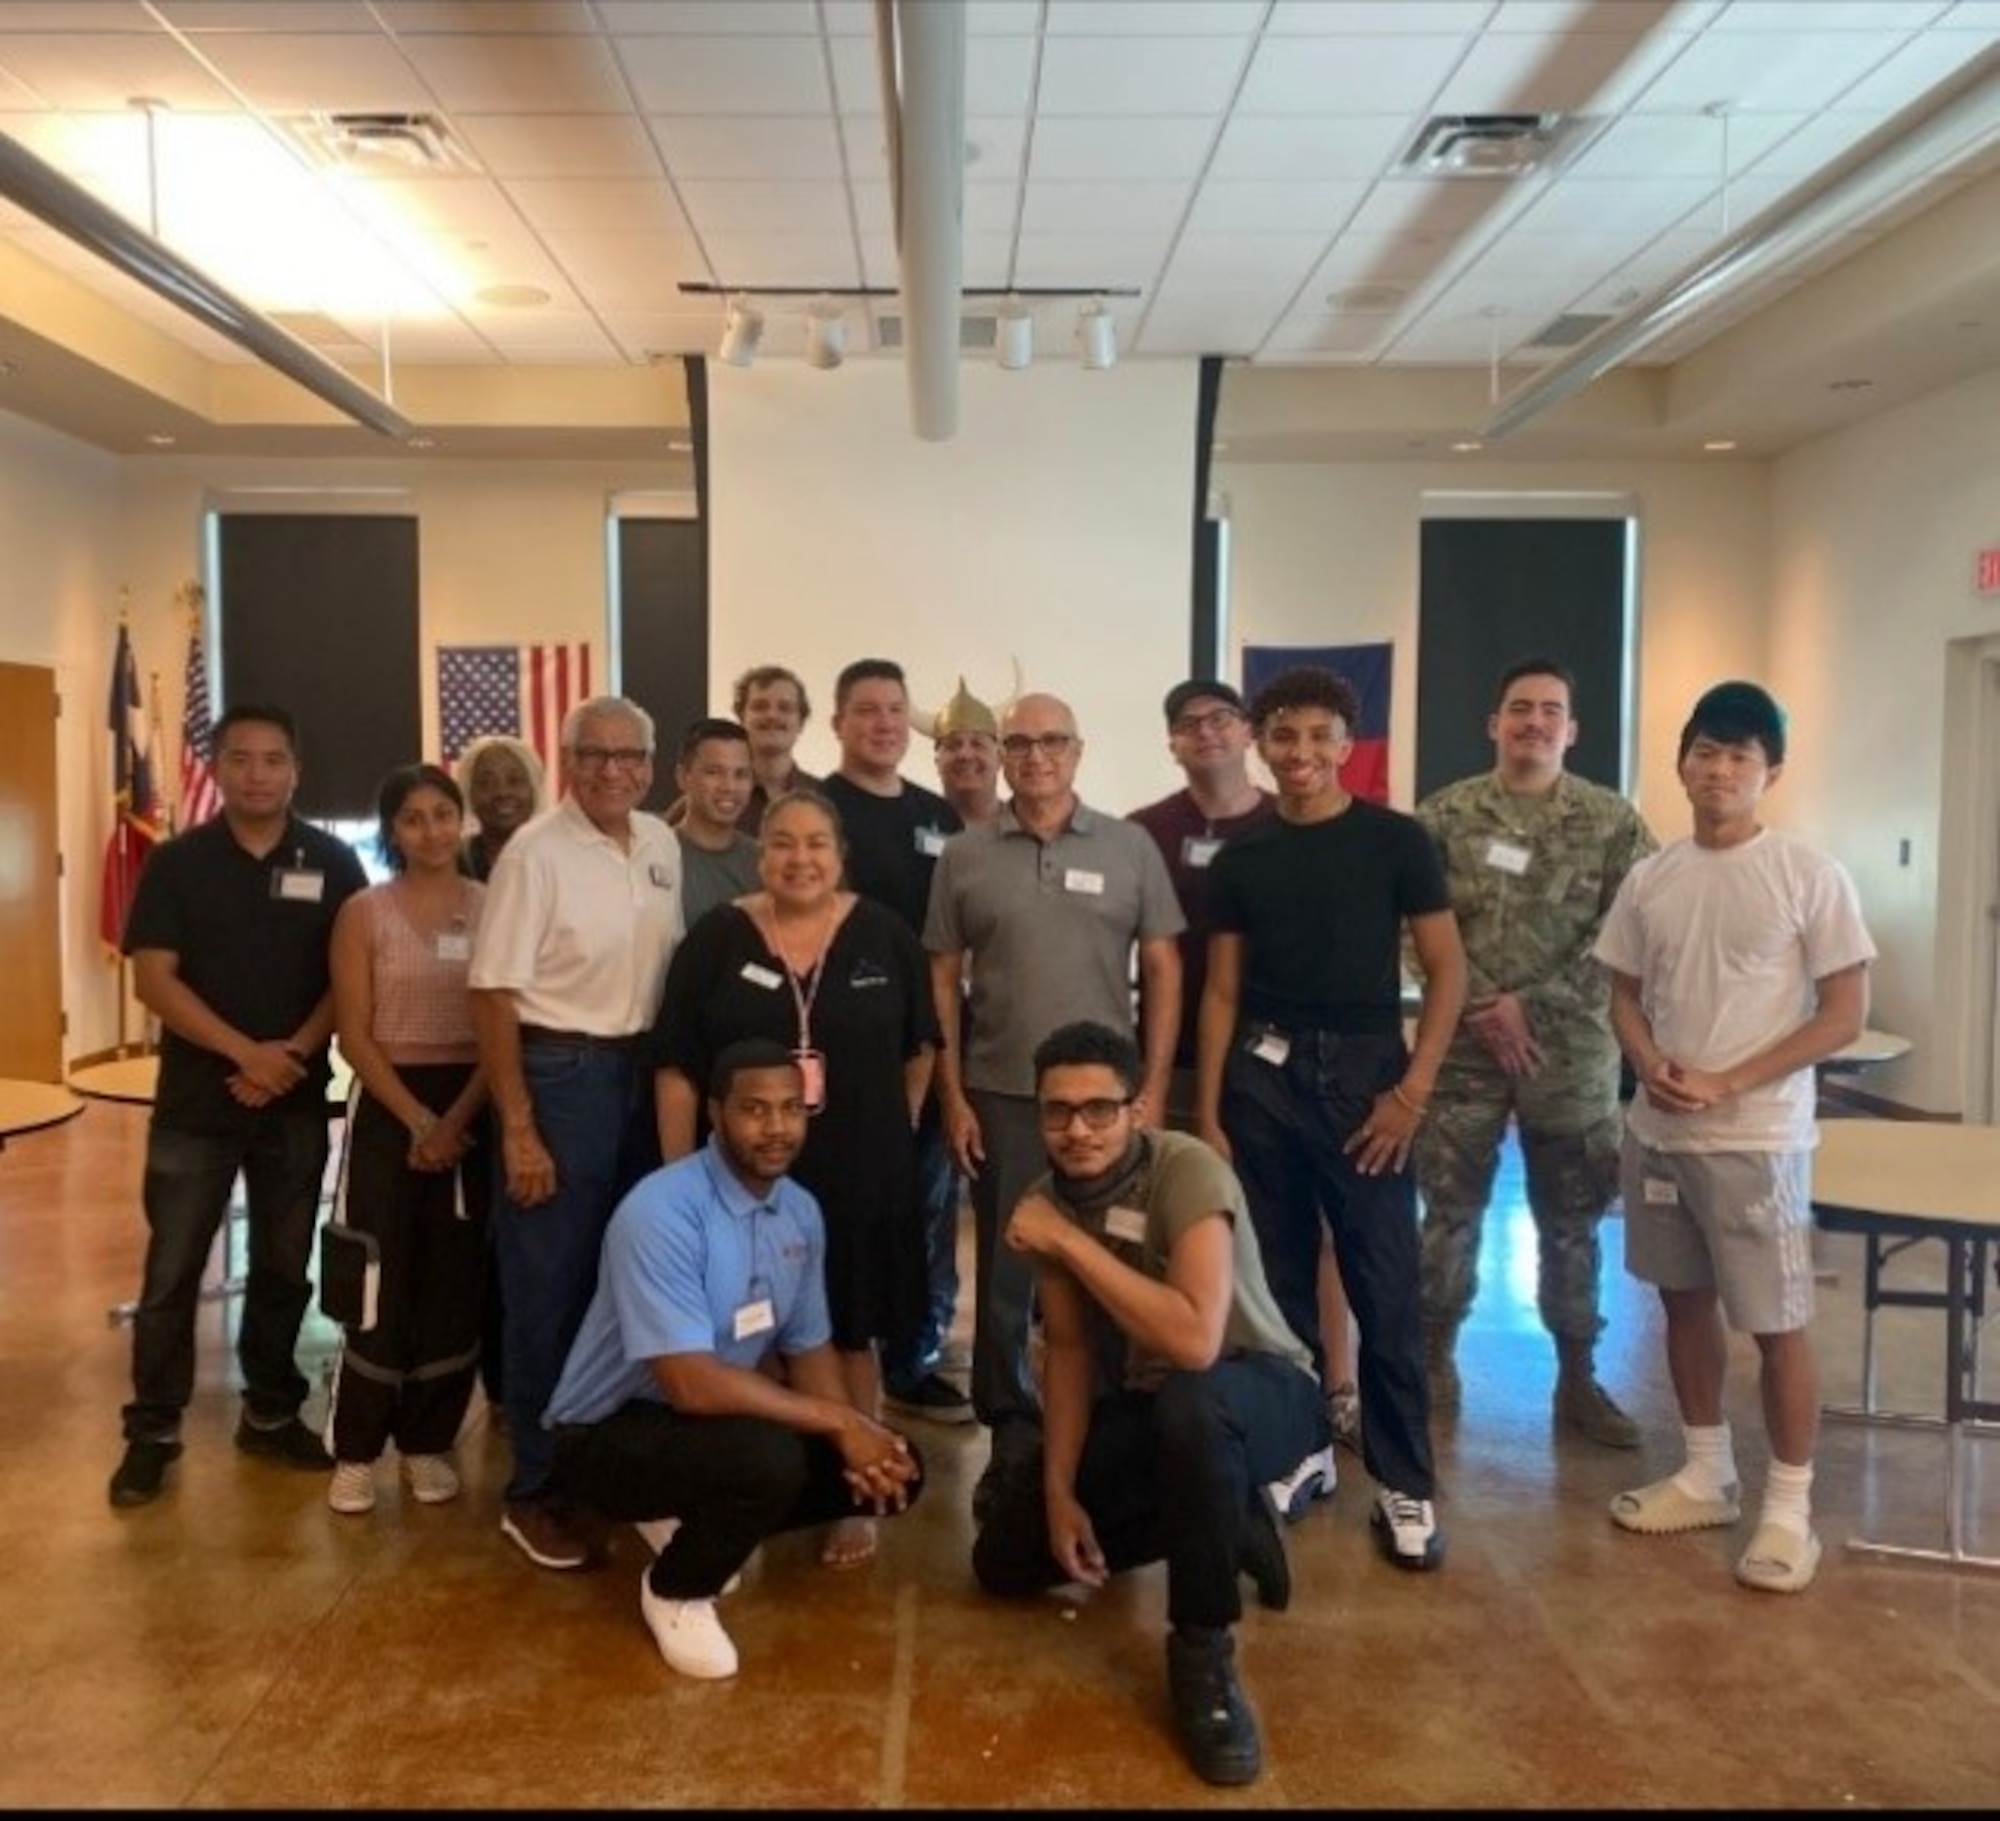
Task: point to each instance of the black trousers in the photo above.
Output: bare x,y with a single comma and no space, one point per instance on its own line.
1165,1475
731,1480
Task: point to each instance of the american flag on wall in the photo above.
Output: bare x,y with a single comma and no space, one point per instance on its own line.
201,796
523,690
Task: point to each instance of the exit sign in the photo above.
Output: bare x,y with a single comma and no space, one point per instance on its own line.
1986,571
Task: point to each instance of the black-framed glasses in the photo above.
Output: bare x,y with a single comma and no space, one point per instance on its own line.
1049,745
601,758
1215,720
1096,1114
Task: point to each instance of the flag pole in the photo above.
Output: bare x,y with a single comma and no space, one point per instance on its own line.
119,880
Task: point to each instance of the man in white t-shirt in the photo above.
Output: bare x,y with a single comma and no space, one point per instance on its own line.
1738,960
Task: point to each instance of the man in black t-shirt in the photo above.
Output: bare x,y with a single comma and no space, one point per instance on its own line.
228,936
1303,1077
895,831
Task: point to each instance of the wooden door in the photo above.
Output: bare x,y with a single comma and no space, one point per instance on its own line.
31,1035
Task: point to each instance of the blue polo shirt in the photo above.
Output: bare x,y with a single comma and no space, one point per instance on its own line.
688,1248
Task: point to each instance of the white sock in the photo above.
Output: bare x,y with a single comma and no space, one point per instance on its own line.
1788,1497
1711,1462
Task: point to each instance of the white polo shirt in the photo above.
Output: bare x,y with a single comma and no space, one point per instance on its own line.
579,929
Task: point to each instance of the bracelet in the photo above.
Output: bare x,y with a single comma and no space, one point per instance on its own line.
1408,1105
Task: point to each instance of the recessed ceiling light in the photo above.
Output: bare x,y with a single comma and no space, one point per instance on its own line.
1467,448
159,439
423,442
512,297
1218,448
1720,446
679,445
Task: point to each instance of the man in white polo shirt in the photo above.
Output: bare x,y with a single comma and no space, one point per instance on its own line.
582,913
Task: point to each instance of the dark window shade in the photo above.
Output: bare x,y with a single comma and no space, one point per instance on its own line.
319,616
663,631
1494,590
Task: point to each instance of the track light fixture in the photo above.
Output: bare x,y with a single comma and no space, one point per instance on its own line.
1013,335
1097,336
741,333
826,335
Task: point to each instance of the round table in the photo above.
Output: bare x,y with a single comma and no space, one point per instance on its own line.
27,1106
135,1078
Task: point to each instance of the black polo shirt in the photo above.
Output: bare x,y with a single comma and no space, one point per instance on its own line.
252,938
893,843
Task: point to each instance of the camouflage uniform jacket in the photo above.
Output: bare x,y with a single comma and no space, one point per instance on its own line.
1532,878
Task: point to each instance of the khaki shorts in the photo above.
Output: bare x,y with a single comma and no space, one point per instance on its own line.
1735,1222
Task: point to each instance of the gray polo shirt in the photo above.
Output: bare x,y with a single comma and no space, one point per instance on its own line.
1050,926
712,876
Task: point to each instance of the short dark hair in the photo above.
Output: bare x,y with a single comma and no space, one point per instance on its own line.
261,714
740,1057
762,676
867,670
1087,1044
1534,666
1733,713
709,727
397,789
805,793
1306,686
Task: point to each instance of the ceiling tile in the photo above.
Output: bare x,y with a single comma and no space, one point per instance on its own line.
995,148
783,259
1426,205
1847,16
559,145
511,75
1682,145
1130,76
1790,72
986,264
745,146
1533,73
1345,338
1331,76
718,207
1360,145
1077,208
726,75
104,70
1576,206
1250,208
1202,329
615,204
1379,259
998,72
1816,142
627,271
484,17
282,73
1122,150
1155,18
219,16
1316,18
1239,262
717,18
1919,66
1092,260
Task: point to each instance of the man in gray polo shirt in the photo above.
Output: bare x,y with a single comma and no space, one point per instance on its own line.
1042,906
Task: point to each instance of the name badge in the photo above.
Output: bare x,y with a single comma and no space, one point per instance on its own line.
454,945
930,842
1661,1193
754,1319
1075,879
1508,856
1272,1047
759,975
1128,1224
298,885
658,874
1199,850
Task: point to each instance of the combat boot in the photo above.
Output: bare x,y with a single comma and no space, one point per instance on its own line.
1582,1404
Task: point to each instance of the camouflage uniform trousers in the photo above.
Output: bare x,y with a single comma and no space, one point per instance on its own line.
1570,1125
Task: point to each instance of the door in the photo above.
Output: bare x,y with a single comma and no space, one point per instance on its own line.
31,1033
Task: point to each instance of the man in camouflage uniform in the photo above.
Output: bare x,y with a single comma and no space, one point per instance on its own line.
1534,857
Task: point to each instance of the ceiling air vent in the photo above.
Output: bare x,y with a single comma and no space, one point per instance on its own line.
416,142
1567,331
977,332
1486,145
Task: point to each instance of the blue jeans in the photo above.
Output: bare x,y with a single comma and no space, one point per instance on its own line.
586,1102
189,1175
937,1188
1286,1123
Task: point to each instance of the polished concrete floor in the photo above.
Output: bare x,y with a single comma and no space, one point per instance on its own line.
236,1644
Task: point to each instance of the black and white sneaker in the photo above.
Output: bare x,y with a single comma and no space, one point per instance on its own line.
1407,1529
1313,1478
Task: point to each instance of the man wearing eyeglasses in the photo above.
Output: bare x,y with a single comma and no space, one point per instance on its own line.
582,913
1041,909
1173,1388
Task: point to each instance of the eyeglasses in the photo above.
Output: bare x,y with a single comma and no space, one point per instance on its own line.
1214,721
602,758
1096,1114
1049,745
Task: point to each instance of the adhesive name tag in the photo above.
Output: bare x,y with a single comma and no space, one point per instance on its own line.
658,874
1128,1224
930,842
454,945
1661,1193
1075,879
1272,1047
759,975
1508,856
1199,850
298,885
755,1318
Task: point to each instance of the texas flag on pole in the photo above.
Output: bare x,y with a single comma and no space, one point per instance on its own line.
135,809
1367,668
523,690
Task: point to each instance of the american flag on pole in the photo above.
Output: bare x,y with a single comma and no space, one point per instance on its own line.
523,690
201,797
135,826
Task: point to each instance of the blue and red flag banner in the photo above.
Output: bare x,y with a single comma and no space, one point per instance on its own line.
1368,668
135,807
523,690
201,796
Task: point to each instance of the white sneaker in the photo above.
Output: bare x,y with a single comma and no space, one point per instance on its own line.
659,1532
688,1633
352,1492
1406,1527
1313,1478
433,1479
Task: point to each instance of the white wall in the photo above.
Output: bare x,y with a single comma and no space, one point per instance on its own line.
1874,532
1054,529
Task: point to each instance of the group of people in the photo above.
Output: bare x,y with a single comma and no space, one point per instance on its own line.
690,1101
